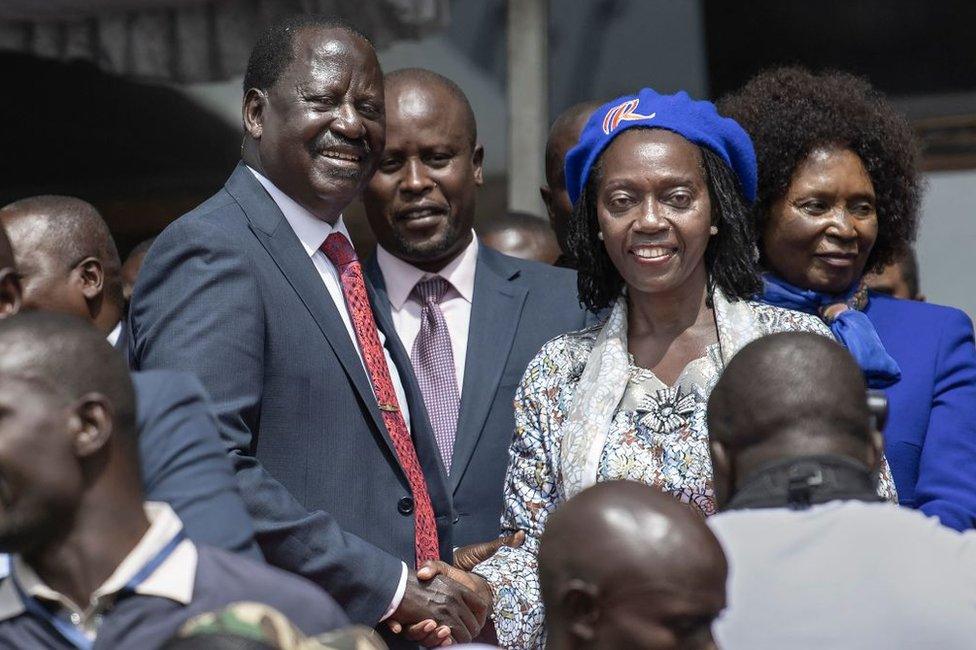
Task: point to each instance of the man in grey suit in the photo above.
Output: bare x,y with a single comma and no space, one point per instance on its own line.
471,317
259,292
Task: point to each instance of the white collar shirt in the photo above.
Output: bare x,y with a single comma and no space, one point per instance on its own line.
401,277
845,574
113,336
173,579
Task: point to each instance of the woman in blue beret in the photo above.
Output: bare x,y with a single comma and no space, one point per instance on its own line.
664,240
838,198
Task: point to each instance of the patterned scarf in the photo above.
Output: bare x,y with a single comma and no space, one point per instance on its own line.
604,381
852,328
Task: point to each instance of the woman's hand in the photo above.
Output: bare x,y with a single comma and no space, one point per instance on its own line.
466,557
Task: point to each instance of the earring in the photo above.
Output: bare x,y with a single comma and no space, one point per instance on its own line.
713,230
599,235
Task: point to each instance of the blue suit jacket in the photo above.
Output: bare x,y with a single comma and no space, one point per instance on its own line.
184,463
516,307
228,292
930,439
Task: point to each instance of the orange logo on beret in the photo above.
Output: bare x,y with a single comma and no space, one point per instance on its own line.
623,112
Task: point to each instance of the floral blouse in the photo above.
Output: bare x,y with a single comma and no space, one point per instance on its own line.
657,436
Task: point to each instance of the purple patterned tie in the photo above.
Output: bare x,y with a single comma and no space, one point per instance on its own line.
433,362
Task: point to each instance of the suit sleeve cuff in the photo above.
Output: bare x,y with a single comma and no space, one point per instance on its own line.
398,596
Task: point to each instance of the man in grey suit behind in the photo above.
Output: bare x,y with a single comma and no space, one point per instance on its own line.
471,317
259,292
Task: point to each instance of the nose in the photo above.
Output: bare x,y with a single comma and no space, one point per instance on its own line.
650,220
348,123
415,179
841,225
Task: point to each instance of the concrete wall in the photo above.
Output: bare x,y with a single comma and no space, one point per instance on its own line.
947,240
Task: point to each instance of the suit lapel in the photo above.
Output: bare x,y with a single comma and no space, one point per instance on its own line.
495,311
272,230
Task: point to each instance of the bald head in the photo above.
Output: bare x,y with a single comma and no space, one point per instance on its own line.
520,235
563,136
400,87
66,257
67,356
789,395
621,563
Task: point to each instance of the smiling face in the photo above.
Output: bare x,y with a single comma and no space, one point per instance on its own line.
37,498
320,128
820,233
421,201
654,209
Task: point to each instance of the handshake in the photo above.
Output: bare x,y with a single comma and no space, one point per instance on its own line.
445,604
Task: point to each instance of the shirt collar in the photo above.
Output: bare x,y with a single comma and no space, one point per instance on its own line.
113,336
311,230
173,579
401,277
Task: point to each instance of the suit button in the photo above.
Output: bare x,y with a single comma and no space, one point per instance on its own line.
456,519
405,506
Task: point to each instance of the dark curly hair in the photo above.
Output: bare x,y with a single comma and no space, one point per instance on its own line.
730,257
789,112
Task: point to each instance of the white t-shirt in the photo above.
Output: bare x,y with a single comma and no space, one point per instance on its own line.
846,574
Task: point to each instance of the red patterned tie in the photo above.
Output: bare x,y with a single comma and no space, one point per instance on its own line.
338,249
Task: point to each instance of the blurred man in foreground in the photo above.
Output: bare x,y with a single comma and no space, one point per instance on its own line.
817,559
623,565
92,563
67,262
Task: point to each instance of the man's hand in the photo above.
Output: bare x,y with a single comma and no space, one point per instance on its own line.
427,632
439,610
467,557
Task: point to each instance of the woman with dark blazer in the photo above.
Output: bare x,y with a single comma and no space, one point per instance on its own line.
837,198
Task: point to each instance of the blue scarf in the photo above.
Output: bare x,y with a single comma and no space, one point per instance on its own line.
852,328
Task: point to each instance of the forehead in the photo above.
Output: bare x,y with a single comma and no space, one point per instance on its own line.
650,152
833,166
423,111
335,54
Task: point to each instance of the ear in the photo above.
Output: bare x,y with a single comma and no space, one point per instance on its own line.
478,160
11,293
721,472
95,421
579,600
92,277
255,101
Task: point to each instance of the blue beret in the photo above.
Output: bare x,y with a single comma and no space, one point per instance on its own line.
696,121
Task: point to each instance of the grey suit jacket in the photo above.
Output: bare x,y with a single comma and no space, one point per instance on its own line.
517,306
228,292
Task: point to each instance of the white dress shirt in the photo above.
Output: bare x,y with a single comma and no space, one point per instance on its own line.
113,336
312,232
845,574
401,277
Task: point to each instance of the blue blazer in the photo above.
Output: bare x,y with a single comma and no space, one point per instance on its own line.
228,292
930,439
185,464
516,307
